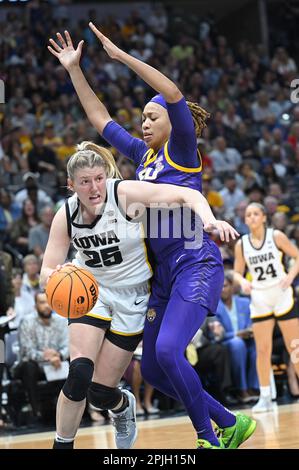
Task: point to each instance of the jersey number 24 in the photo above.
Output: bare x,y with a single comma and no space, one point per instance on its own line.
263,274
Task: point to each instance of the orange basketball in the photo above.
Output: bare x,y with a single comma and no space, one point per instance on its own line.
72,292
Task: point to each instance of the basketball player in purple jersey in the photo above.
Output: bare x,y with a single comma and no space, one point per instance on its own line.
187,282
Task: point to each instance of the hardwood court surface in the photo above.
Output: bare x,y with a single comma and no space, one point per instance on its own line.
275,430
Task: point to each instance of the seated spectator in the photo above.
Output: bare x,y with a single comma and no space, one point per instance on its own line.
51,139
43,339
30,280
6,304
213,197
38,235
243,141
262,108
279,221
212,362
15,159
23,303
20,229
66,148
9,212
236,333
32,191
41,159
247,176
255,193
239,218
225,159
231,194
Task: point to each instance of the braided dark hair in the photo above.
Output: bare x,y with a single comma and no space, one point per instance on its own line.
199,116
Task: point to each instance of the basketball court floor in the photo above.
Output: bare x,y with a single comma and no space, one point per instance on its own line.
275,430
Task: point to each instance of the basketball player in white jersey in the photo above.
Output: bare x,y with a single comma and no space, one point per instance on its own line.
98,220
271,293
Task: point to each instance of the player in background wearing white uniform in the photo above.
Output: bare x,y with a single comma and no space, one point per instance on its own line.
98,219
271,293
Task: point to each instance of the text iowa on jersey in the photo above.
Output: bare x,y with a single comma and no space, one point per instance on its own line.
97,240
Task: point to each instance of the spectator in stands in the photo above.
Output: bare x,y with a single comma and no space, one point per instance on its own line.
279,221
231,195
225,159
262,108
247,176
213,197
51,139
20,229
7,295
41,158
244,142
24,301
9,212
38,235
239,218
32,191
234,315
43,338
255,193
30,281
6,304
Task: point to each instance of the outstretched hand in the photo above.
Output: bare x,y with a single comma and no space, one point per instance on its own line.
112,50
226,231
64,50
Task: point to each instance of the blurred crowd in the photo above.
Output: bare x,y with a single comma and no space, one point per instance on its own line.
250,148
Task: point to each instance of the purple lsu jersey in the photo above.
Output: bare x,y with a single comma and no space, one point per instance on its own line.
166,229
197,274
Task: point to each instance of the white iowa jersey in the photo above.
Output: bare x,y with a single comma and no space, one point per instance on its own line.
264,264
112,247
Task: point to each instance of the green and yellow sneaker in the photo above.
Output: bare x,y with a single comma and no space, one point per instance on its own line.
204,444
234,436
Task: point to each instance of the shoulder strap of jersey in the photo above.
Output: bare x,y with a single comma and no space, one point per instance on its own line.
112,185
68,218
245,242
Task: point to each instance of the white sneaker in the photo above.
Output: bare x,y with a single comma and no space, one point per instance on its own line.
125,424
263,405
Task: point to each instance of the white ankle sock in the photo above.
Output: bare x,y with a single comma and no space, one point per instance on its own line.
63,439
265,392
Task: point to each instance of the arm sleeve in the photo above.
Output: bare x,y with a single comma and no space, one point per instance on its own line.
118,137
182,143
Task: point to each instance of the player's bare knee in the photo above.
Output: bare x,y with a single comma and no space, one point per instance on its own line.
103,397
79,379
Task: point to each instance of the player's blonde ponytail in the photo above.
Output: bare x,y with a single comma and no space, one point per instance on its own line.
90,155
199,116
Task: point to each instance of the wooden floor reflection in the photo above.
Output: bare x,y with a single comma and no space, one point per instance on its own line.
276,430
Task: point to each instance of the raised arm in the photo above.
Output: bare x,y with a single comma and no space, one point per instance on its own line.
69,57
96,111
150,75
135,192
57,246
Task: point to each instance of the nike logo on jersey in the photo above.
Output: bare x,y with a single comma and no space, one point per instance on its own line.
137,303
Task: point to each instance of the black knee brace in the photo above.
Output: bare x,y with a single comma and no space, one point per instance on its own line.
79,379
103,397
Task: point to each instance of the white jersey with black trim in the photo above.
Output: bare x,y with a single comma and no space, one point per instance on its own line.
265,263
111,247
